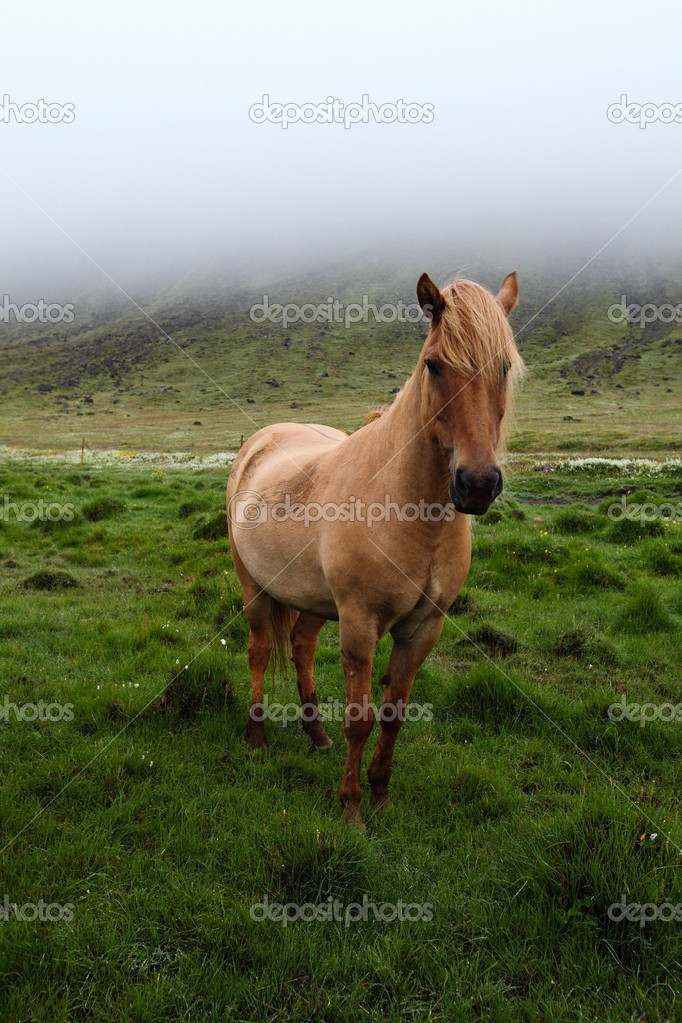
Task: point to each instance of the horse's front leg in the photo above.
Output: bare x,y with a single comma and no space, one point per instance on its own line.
408,654
357,640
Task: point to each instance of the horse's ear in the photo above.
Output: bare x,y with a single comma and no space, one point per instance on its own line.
509,293
430,298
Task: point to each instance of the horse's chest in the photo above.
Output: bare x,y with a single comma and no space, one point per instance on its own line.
431,582
448,569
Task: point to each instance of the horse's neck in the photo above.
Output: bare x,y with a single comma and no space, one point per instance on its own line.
408,461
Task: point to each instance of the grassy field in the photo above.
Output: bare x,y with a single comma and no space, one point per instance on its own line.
522,811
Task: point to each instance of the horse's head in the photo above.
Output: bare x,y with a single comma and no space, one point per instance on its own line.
468,366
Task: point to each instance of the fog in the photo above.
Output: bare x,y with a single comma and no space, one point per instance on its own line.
161,170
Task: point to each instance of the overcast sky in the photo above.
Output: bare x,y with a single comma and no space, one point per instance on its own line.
161,164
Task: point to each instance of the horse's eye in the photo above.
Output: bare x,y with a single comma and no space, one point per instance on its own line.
505,369
432,368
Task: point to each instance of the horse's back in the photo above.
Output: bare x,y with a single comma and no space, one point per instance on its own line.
284,452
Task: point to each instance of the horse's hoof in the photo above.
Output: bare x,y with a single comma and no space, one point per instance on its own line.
380,801
254,737
321,741
351,816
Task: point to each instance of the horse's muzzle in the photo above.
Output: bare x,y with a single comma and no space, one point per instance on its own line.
474,492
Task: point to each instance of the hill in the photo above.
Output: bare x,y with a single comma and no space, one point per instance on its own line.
195,365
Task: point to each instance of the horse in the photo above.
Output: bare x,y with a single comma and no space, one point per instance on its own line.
319,528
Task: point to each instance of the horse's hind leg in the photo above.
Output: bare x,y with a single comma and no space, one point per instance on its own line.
303,644
257,611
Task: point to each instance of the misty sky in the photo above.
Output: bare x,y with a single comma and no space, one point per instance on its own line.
162,166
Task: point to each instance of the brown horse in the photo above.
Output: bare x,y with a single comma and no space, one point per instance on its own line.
323,525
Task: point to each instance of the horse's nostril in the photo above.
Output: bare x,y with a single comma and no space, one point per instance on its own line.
460,482
499,484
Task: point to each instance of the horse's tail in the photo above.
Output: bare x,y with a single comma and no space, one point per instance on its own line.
282,620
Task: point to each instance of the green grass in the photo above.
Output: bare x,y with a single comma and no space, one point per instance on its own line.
521,811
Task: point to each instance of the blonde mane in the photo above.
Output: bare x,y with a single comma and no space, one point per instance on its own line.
474,336
373,414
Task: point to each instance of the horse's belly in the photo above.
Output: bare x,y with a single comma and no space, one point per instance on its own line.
285,564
